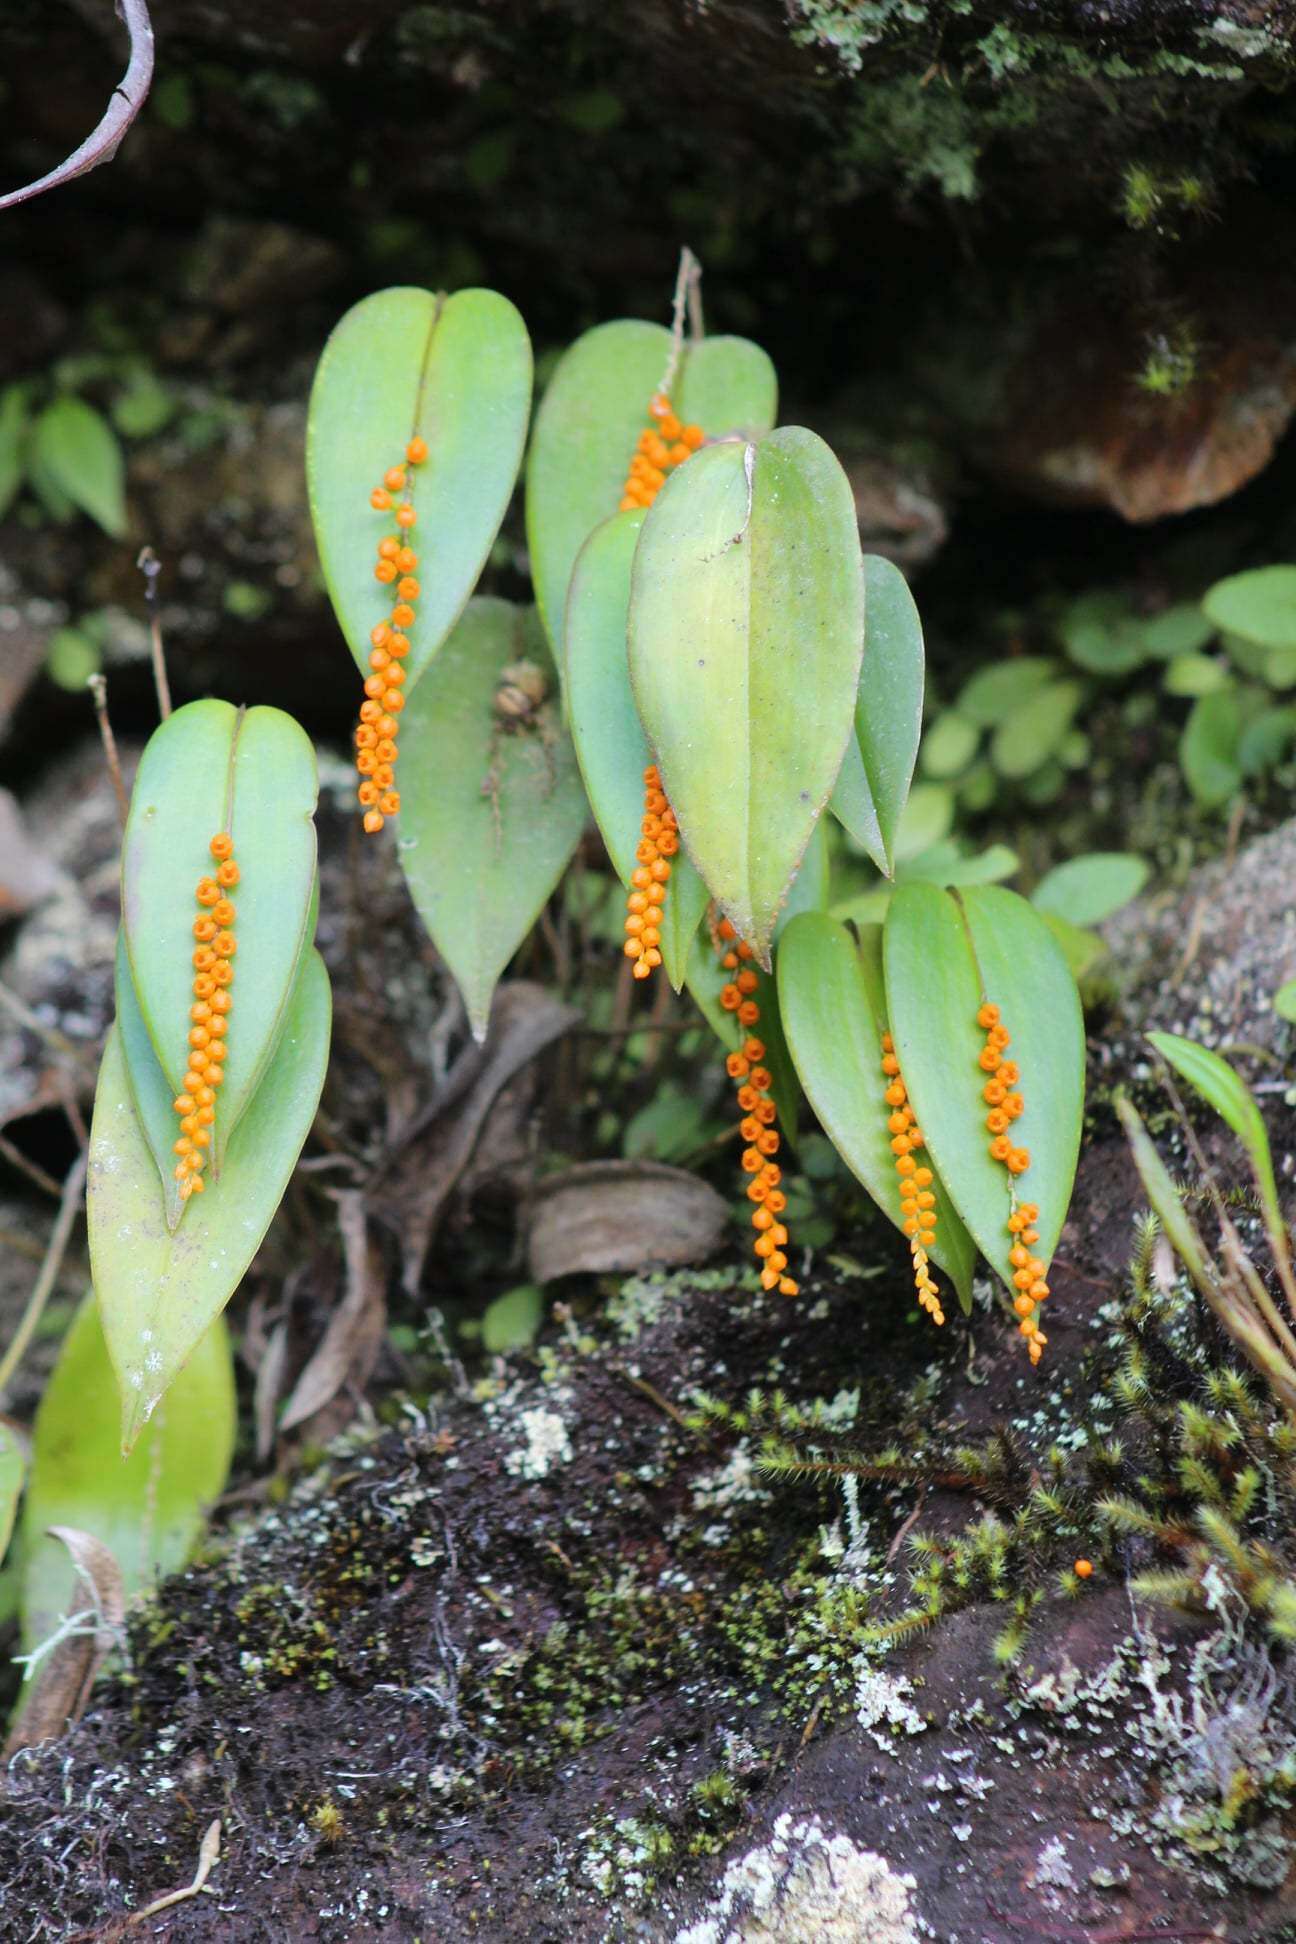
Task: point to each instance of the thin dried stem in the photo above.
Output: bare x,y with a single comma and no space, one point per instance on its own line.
98,687
150,566
69,1209
688,277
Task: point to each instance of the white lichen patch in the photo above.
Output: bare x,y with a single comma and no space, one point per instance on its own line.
882,1706
806,1886
736,1482
547,1444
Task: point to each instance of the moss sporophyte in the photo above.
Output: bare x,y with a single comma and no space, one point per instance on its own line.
375,737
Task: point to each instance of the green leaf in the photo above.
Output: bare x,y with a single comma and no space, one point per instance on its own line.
513,1320
745,644
589,422
150,1090
457,372
873,784
834,1017
1163,1197
1179,630
944,957
812,883
1101,633
610,744
490,814
13,441
1034,728
992,692
13,1470
1265,740
1087,889
1081,949
945,863
1224,1090
149,1509
1259,605
1208,748
1194,675
949,745
1284,1002
927,819
159,1292
72,658
208,768
77,451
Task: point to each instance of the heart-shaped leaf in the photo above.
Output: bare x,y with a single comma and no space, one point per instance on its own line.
455,371
945,954
610,744
831,996
746,632
490,811
209,768
878,767
159,1291
589,422
148,1509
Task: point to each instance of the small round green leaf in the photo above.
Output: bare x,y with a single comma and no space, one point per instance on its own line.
746,633
1284,1002
988,696
1208,748
160,1291
1259,605
1085,890
589,422
211,767
491,811
76,451
148,1509
1100,632
1194,675
1034,729
949,745
610,744
1179,630
834,1018
457,372
945,954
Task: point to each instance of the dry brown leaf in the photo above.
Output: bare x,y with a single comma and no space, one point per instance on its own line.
65,1677
349,1347
620,1215
436,1148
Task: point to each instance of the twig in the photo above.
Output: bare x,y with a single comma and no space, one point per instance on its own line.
127,100
654,1396
688,275
34,1172
903,1531
22,1012
69,1209
98,687
150,566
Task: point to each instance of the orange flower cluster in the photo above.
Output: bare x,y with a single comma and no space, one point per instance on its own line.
209,1016
658,843
917,1196
1006,1106
662,446
375,738
759,1114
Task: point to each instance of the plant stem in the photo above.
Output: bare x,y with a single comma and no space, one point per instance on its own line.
98,687
69,1208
